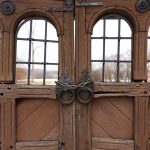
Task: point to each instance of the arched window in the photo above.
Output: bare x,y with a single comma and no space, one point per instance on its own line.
36,52
148,56
111,50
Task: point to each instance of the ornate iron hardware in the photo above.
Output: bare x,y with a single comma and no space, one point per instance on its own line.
70,5
143,5
85,89
7,7
66,91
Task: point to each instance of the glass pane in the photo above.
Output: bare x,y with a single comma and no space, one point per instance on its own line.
149,32
110,72
125,72
52,52
125,29
38,29
24,31
22,51
111,48
51,32
96,72
125,49
148,50
97,49
21,74
51,74
37,51
36,74
148,72
98,29
111,27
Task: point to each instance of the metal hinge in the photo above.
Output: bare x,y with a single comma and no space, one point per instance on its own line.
70,5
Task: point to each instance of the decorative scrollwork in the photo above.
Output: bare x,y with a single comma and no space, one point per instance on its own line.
143,5
66,91
7,7
85,89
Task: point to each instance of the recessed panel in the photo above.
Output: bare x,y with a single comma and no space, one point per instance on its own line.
37,120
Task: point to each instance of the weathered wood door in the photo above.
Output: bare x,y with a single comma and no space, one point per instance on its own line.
30,115
117,118
32,118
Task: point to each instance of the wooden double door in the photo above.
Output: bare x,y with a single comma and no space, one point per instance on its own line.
32,118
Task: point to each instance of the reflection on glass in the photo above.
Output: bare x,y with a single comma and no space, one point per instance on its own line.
51,74
125,49
110,72
149,32
125,29
36,74
148,50
97,49
125,72
148,71
52,53
37,51
38,29
111,48
111,27
22,51
98,29
96,71
51,32
24,31
21,74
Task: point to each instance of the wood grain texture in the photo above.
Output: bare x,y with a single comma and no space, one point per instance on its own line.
8,123
112,118
37,120
141,123
43,145
112,144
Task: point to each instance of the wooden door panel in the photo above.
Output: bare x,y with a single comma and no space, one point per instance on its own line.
112,118
37,120
44,145
112,123
111,144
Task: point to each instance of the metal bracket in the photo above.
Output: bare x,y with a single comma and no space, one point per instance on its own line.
143,5
85,4
7,7
70,5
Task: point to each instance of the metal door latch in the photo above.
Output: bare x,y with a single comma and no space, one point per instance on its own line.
66,91
71,4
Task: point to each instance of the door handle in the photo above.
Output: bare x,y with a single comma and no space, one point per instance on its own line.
66,91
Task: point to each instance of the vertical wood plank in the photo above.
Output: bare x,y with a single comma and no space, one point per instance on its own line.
82,127
140,56
81,42
8,123
7,63
141,123
68,126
